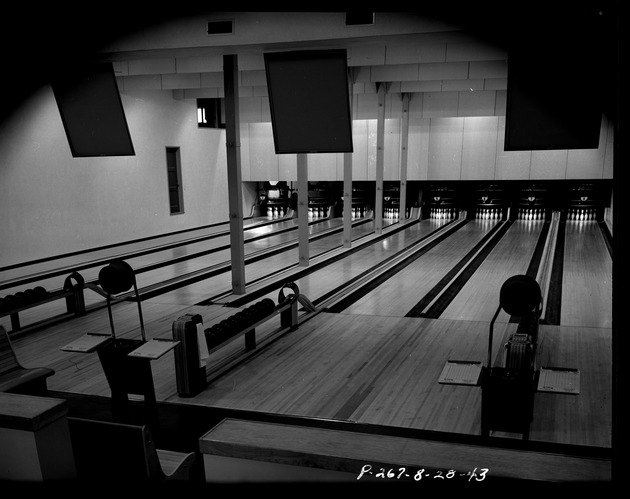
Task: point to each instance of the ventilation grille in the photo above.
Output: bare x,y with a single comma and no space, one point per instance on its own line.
225,27
359,18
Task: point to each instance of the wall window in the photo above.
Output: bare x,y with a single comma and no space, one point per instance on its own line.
174,176
211,113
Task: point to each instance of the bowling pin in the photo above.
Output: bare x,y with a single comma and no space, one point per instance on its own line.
269,212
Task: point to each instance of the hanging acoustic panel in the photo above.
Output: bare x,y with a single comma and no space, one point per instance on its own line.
309,98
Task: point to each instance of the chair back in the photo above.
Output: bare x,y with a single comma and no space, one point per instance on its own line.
113,452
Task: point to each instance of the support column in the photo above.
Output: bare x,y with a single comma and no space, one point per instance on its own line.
404,155
347,200
347,180
303,232
235,189
380,160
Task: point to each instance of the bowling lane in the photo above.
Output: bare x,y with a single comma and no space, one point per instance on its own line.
398,295
193,254
479,297
319,283
64,264
217,286
587,277
220,283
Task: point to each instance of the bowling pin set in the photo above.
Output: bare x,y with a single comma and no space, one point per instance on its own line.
276,211
441,213
531,214
391,213
488,213
357,212
316,212
581,214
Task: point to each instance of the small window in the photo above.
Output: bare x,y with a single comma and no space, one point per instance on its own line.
174,177
211,113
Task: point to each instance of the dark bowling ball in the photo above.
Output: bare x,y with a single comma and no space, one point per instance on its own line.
228,326
214,335
31,296
268,306
235,326
519,295
248,317
257,311
40,292
116,277
239,321
20,299
9,302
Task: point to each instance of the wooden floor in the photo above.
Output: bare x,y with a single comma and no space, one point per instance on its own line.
376,367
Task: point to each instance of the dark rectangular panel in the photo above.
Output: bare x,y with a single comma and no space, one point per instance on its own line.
92,112
310,101
556,82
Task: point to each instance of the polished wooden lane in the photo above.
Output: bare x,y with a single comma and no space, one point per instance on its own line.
587,277
218,284
337,273
382,370
201,252
588,414
479,298
271,265
252,226
370,369
402,291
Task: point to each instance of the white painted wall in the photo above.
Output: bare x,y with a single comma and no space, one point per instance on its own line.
53,203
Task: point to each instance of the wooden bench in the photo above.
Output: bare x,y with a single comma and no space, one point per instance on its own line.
16,378
115,452
251,451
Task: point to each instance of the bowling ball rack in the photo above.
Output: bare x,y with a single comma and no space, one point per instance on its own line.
193,370
72,292
126,362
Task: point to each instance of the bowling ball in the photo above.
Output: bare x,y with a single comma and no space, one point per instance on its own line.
20,299
31,296
227,327
41,292
214,335
520,294
116,277
256,310
268,306
9,302
248,316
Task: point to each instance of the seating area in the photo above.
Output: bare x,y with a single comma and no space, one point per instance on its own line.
14,377
240,451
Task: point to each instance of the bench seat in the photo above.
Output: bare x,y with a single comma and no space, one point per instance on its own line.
241,450
119,452
16,378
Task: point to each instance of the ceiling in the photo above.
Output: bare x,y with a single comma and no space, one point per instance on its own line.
459,47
